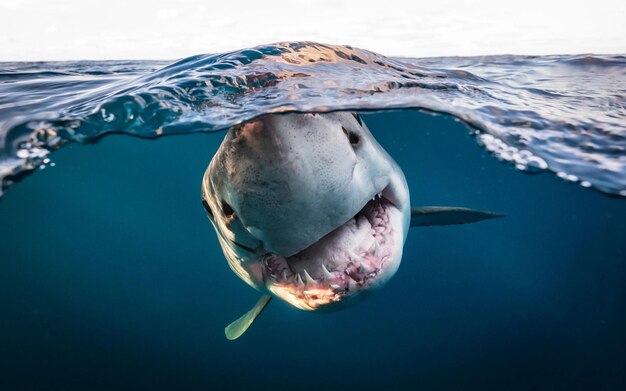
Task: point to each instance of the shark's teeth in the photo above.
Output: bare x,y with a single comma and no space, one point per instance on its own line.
364,268
327,275
307,277
348,269
377,196
299,280
377,250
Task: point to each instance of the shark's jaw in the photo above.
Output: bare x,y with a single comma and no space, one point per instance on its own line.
353,259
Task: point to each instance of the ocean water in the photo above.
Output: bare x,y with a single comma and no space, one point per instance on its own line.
566,114
111,276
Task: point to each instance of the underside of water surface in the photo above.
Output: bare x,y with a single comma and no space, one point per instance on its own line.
111,277
565,114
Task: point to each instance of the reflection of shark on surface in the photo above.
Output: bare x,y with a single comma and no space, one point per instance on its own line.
309,208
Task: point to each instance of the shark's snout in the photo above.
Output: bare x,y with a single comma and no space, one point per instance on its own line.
308,207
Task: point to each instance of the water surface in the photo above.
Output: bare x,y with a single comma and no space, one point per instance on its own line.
566,114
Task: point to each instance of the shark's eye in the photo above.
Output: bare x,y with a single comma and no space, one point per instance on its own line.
227,209
352,137
207,208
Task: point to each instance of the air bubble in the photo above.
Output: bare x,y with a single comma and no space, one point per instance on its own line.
107,117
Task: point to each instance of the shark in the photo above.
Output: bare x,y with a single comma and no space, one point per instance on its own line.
310,209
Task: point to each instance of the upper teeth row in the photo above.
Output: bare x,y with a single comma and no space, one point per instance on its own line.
379,195
310,280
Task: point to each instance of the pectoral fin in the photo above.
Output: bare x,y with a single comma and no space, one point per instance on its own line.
446,215
238,327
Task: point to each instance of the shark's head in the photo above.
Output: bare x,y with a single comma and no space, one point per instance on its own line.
308,207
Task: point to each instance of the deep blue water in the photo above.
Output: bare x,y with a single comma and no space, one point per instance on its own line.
111,277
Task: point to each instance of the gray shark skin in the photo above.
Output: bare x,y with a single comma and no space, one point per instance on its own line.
310,209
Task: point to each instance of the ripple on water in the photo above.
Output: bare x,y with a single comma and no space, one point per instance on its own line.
566,114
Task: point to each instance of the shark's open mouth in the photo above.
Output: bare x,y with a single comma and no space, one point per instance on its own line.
360,254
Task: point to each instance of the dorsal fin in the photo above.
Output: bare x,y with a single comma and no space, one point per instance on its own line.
238,327
448,215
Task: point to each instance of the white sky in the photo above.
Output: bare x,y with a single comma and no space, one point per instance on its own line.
166,29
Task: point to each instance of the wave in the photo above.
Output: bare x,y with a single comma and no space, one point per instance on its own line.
566,114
